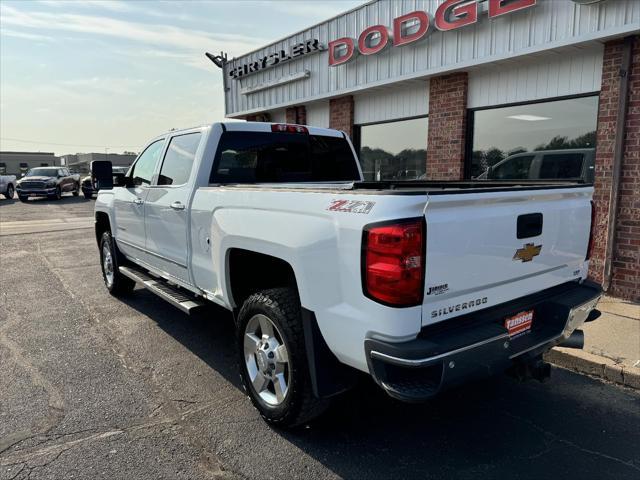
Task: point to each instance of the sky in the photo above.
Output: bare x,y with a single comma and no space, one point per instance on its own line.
108,75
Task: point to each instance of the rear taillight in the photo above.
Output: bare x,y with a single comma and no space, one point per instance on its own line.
593,224
393,262
288,128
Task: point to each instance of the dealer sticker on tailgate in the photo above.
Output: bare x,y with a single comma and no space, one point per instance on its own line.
519,323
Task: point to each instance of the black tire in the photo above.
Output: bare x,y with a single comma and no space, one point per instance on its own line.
87,194
76,192
120,285
23,198
57,195
282,307
9,193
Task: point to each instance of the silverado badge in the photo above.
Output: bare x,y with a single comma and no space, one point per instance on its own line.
527,252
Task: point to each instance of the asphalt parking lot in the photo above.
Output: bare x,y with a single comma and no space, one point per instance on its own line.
93,387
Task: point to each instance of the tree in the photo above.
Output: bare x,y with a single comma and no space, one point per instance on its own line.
493,156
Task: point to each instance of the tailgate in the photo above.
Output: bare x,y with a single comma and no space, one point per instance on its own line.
474,258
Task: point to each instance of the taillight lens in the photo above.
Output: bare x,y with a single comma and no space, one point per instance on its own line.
593,223
288,128
393,262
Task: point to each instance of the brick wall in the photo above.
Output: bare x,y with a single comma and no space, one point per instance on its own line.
626,258
447,126
341,114
625,282
297,115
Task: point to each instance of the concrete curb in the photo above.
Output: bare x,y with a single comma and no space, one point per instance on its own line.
585,362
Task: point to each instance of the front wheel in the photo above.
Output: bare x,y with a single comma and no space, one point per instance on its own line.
273,362
116,283
9,193
23,198
87,194
57,195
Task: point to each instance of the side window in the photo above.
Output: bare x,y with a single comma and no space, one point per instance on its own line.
513,168
24,167
561,165
142,170
178,161
44,164
61,173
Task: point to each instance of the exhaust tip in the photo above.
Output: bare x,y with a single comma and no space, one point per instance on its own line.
576,340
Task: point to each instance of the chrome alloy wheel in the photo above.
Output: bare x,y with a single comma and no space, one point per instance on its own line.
267,360
107,265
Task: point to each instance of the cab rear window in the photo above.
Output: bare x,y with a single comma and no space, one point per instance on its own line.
274,157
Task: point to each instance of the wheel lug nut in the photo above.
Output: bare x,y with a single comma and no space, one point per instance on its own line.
271,355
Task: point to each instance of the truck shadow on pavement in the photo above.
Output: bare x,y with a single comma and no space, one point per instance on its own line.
490,429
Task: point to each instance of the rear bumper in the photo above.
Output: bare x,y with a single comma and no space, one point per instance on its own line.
478,344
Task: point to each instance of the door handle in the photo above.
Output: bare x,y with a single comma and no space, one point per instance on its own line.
138,201
177,205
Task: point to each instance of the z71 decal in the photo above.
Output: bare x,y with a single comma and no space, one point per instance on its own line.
351,206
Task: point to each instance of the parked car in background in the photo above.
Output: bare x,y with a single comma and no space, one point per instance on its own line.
87,182
50,182
570,164
7,185
422,285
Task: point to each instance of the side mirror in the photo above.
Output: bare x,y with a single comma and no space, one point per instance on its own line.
101,175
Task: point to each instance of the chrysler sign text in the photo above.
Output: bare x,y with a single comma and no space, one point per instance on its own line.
295,51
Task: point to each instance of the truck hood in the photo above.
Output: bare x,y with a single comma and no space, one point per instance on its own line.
36,179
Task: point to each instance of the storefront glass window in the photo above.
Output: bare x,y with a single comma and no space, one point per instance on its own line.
394,150
522,142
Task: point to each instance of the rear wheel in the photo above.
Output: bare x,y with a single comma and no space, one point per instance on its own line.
116,283
10,191
273,361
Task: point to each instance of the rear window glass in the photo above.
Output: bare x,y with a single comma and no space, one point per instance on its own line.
512,168
265,157
561,165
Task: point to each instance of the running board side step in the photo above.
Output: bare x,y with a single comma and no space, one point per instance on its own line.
174,295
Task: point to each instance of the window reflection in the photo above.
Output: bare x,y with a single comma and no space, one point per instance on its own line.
549,140
394,150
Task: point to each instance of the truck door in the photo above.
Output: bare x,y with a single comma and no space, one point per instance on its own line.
166,212
129,203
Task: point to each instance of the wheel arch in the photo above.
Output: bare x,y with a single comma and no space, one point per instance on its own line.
102,224
251,271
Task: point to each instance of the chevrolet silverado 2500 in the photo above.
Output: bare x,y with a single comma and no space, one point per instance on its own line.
422,285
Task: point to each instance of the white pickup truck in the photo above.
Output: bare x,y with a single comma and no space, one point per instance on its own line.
421,284
7,185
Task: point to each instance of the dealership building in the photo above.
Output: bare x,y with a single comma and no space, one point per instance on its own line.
445,89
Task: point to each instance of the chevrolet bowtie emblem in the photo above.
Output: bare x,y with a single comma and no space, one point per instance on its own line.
527,252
